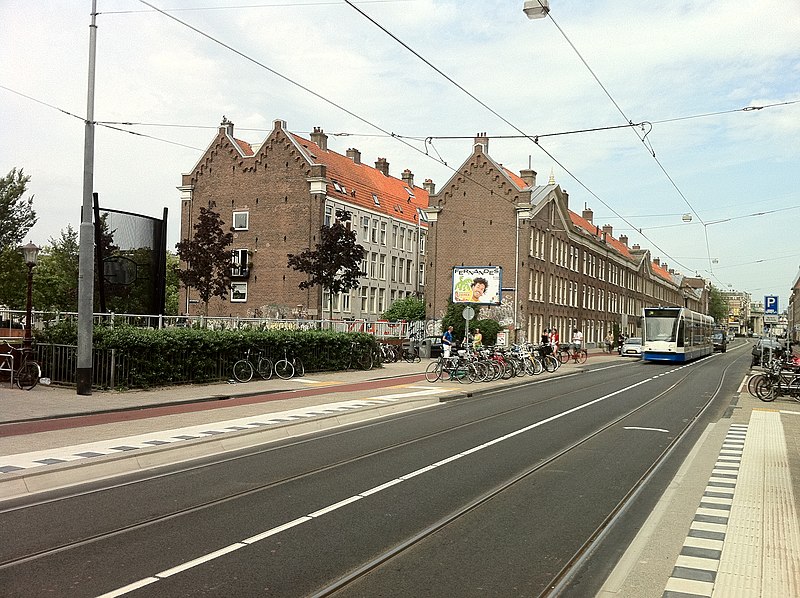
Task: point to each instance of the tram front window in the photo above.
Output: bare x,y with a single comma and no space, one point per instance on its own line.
659,328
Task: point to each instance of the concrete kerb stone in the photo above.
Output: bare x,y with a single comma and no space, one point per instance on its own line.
62,475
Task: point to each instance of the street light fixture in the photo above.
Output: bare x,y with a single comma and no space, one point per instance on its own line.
30,253
536,9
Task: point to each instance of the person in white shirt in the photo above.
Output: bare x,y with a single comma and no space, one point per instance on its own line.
577,340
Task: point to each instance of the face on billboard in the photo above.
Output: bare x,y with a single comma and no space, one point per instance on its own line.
477,284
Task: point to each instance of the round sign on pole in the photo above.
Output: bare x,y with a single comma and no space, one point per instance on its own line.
468,313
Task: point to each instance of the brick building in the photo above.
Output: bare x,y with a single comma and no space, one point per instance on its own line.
277,196
559,268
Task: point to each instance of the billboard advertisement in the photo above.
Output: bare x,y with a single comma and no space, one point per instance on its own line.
479,285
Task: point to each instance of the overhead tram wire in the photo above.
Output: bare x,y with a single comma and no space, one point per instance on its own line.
247,6
306,89
509,123
643,138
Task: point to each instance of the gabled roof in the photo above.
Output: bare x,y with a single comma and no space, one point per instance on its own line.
357,183
661,271
592,229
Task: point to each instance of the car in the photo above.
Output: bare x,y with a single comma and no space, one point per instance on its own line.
632,347
764,345
436,345
720,340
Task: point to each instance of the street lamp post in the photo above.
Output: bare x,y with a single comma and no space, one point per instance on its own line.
30,253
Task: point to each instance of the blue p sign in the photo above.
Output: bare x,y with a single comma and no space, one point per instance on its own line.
771,304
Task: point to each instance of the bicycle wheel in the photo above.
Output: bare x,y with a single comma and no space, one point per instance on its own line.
563,356
28,375
299,367
434,371
765,390
581,356
264,368
364,360
284,369
538,368
243,371
752,383
550,363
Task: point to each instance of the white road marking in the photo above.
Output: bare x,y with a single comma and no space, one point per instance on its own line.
271,532
649,429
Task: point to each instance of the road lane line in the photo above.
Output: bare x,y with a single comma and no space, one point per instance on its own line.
374,490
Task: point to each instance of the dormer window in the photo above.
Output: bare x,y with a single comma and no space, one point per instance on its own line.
337,186
375,200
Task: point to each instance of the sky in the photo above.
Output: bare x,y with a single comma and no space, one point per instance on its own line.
712,87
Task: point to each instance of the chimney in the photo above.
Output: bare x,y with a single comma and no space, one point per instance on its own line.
624,240
664,265
671,271
382,165
636,248
354,155
429,186
607,229
481,138
226,125
656,261
408,178
588,215
320,138
566,199
529,176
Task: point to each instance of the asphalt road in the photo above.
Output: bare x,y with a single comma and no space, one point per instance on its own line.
490,496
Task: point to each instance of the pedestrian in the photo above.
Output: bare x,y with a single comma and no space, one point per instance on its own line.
447,341
554,339
477,339
609,341
545,342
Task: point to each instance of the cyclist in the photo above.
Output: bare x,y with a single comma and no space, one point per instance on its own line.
577,341
447,341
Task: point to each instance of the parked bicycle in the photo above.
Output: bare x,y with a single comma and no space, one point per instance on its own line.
288,368
244,369
411,349
20,365
361,357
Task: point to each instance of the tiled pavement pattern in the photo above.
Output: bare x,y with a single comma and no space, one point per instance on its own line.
744,539
24,461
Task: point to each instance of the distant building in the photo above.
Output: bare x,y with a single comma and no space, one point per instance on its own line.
793,311
275,198
738,311
559,268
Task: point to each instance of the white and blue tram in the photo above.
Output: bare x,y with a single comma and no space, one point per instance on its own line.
675,334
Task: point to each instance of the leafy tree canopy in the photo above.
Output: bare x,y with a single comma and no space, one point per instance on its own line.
717,306
56,275
207,256
335,263
409,309
17,216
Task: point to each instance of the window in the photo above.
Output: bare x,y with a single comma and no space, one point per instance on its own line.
382,267
239,262
374,231
375,200
238,292
394,269
346,301
401,270
373,265
373,300
381,300
409,270
328,215
402,238
364,299
365,228
394,236
241,220
383,233
421,274
422,239
337,186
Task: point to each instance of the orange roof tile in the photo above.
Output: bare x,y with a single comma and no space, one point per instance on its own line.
661,271
361,181
246,148
590,228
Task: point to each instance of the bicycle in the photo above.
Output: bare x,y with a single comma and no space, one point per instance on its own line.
411,352
27,373
244,369
360,357
577,355
288,368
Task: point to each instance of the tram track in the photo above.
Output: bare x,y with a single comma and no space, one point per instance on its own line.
262,487
574,564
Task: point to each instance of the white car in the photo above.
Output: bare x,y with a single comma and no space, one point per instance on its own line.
632,346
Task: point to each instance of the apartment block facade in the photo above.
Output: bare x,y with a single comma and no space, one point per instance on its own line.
275,198
559,268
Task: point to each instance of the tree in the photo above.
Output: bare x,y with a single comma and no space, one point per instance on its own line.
717,306
56,273
207,256
172,286
408,308
454,316
16,213
335,264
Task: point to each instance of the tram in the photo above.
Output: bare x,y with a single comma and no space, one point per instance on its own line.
675,334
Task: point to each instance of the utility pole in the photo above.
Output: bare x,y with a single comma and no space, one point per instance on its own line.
83,372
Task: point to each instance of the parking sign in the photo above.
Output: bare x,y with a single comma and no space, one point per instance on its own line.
771,304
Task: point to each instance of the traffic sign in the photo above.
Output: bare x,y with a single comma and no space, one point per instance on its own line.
468,313
771,304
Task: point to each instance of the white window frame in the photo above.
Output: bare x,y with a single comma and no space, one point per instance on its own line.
238,226
240,262
236,289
